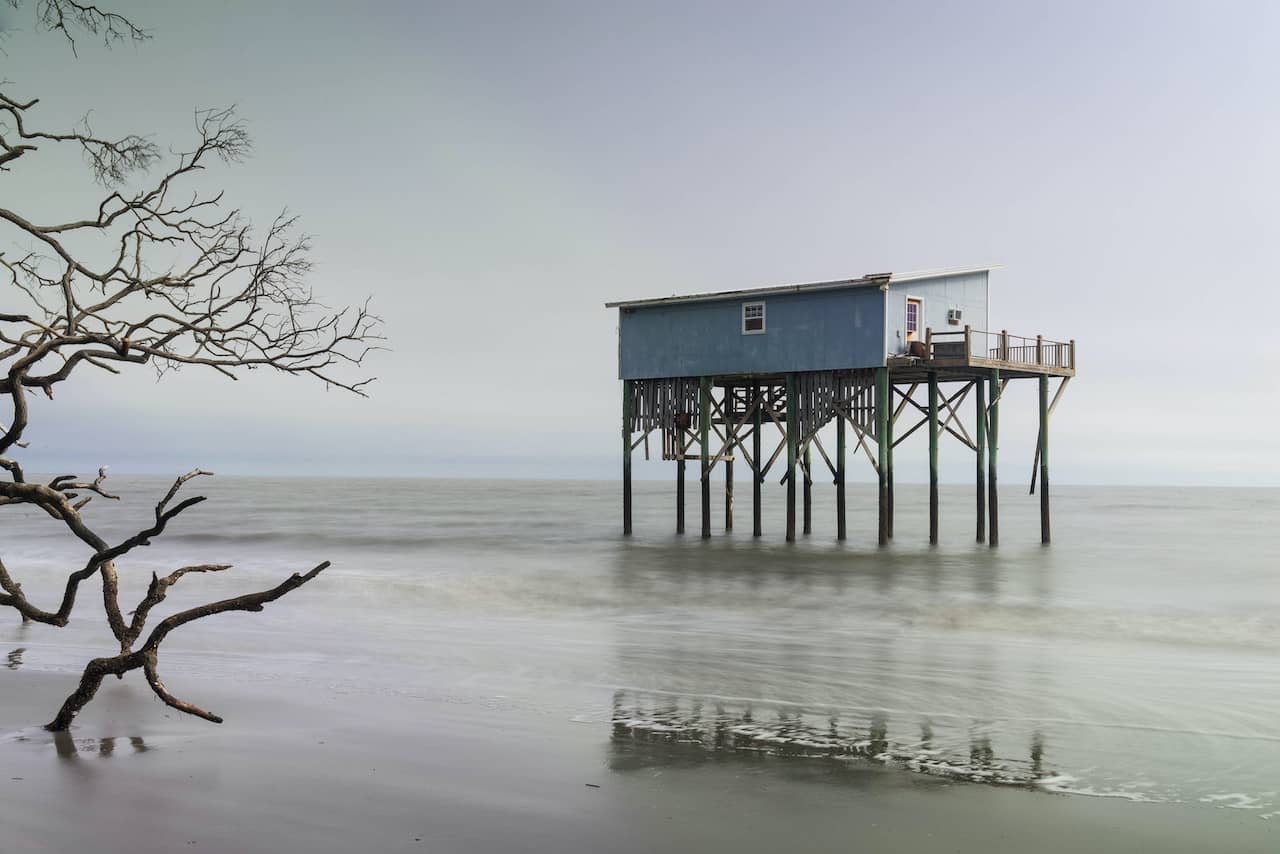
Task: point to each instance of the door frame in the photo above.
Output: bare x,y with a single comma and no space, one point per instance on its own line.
906,332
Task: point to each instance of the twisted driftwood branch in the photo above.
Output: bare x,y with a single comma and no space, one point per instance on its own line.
56,500
146,657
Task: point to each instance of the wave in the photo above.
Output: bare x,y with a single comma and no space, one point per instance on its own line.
347,539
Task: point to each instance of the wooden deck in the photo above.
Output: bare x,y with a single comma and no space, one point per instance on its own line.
971,353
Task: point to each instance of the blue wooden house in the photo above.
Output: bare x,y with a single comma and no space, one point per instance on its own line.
849,353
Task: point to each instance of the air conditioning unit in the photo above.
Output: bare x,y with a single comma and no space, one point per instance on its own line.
954,316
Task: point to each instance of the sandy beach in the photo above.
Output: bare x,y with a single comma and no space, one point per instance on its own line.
332,772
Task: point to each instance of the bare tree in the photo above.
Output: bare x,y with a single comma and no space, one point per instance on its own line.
164,275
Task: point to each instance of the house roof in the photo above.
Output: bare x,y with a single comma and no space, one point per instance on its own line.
877,279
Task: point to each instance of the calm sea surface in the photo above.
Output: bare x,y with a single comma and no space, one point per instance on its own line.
1135,658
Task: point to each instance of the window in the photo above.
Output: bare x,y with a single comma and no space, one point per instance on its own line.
752,318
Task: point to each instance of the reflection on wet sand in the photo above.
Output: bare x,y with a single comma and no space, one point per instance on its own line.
700,729
845,656
68,747
15,658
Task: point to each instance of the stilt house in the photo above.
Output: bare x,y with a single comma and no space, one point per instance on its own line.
713,373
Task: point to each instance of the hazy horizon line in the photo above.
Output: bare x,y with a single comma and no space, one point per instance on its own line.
692,478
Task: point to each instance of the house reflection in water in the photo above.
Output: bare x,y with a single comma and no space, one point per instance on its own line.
670,730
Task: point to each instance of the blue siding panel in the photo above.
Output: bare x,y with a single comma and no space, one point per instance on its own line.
815,331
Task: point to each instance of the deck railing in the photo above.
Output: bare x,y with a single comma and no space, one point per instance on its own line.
999,346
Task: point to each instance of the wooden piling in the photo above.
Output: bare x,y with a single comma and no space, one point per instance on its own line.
808,491
704,439
680,492
993,447
792,421
1044,459
933,457
980,443
626,457
882,447
841,523
757,479
888,426
728,495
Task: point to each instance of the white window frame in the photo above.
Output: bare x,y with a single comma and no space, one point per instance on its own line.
764,323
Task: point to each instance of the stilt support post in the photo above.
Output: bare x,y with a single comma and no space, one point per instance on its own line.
1044,459
627,404
933,458
882,443
704,440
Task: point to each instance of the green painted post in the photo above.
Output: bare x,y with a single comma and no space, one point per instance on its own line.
808,491
757,477
888,427
933,457
627,412
792,419
841,524
882,447
1044,458
704,438
993,446
980,440
680,490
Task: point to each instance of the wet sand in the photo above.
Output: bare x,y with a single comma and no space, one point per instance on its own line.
314,768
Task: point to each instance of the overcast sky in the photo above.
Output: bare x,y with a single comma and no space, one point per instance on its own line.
492,173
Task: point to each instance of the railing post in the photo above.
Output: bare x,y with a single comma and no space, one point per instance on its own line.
1073,354
928,342
1039,349
1004,345
968,345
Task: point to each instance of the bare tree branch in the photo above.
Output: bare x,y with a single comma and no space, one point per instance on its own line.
68,16
161,272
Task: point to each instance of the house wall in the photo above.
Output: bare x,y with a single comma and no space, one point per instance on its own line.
814,331
967,292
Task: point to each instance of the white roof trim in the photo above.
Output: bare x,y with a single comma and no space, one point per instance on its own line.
881,279
945,271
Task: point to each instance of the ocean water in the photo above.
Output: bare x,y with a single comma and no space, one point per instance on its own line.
1135,658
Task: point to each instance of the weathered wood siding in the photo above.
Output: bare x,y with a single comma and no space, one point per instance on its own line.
967,291
814,331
